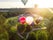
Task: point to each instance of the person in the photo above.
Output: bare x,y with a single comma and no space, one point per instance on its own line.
21,28
22,21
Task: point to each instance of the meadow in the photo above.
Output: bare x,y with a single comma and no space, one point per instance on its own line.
9,23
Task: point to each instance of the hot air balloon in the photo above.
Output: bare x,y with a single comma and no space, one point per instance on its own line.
24,1
39,19
29,20
22,20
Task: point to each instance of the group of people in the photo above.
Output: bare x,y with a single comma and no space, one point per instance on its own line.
28,19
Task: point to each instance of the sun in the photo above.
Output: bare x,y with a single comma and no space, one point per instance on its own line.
40,5
43,3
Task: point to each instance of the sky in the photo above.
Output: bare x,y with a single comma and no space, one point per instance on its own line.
29,4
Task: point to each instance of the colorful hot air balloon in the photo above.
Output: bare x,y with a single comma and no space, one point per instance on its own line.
39,19
22,20
29,20
24,1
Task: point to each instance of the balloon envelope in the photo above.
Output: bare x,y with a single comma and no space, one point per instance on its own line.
39,19
24,1
22,20
29,20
